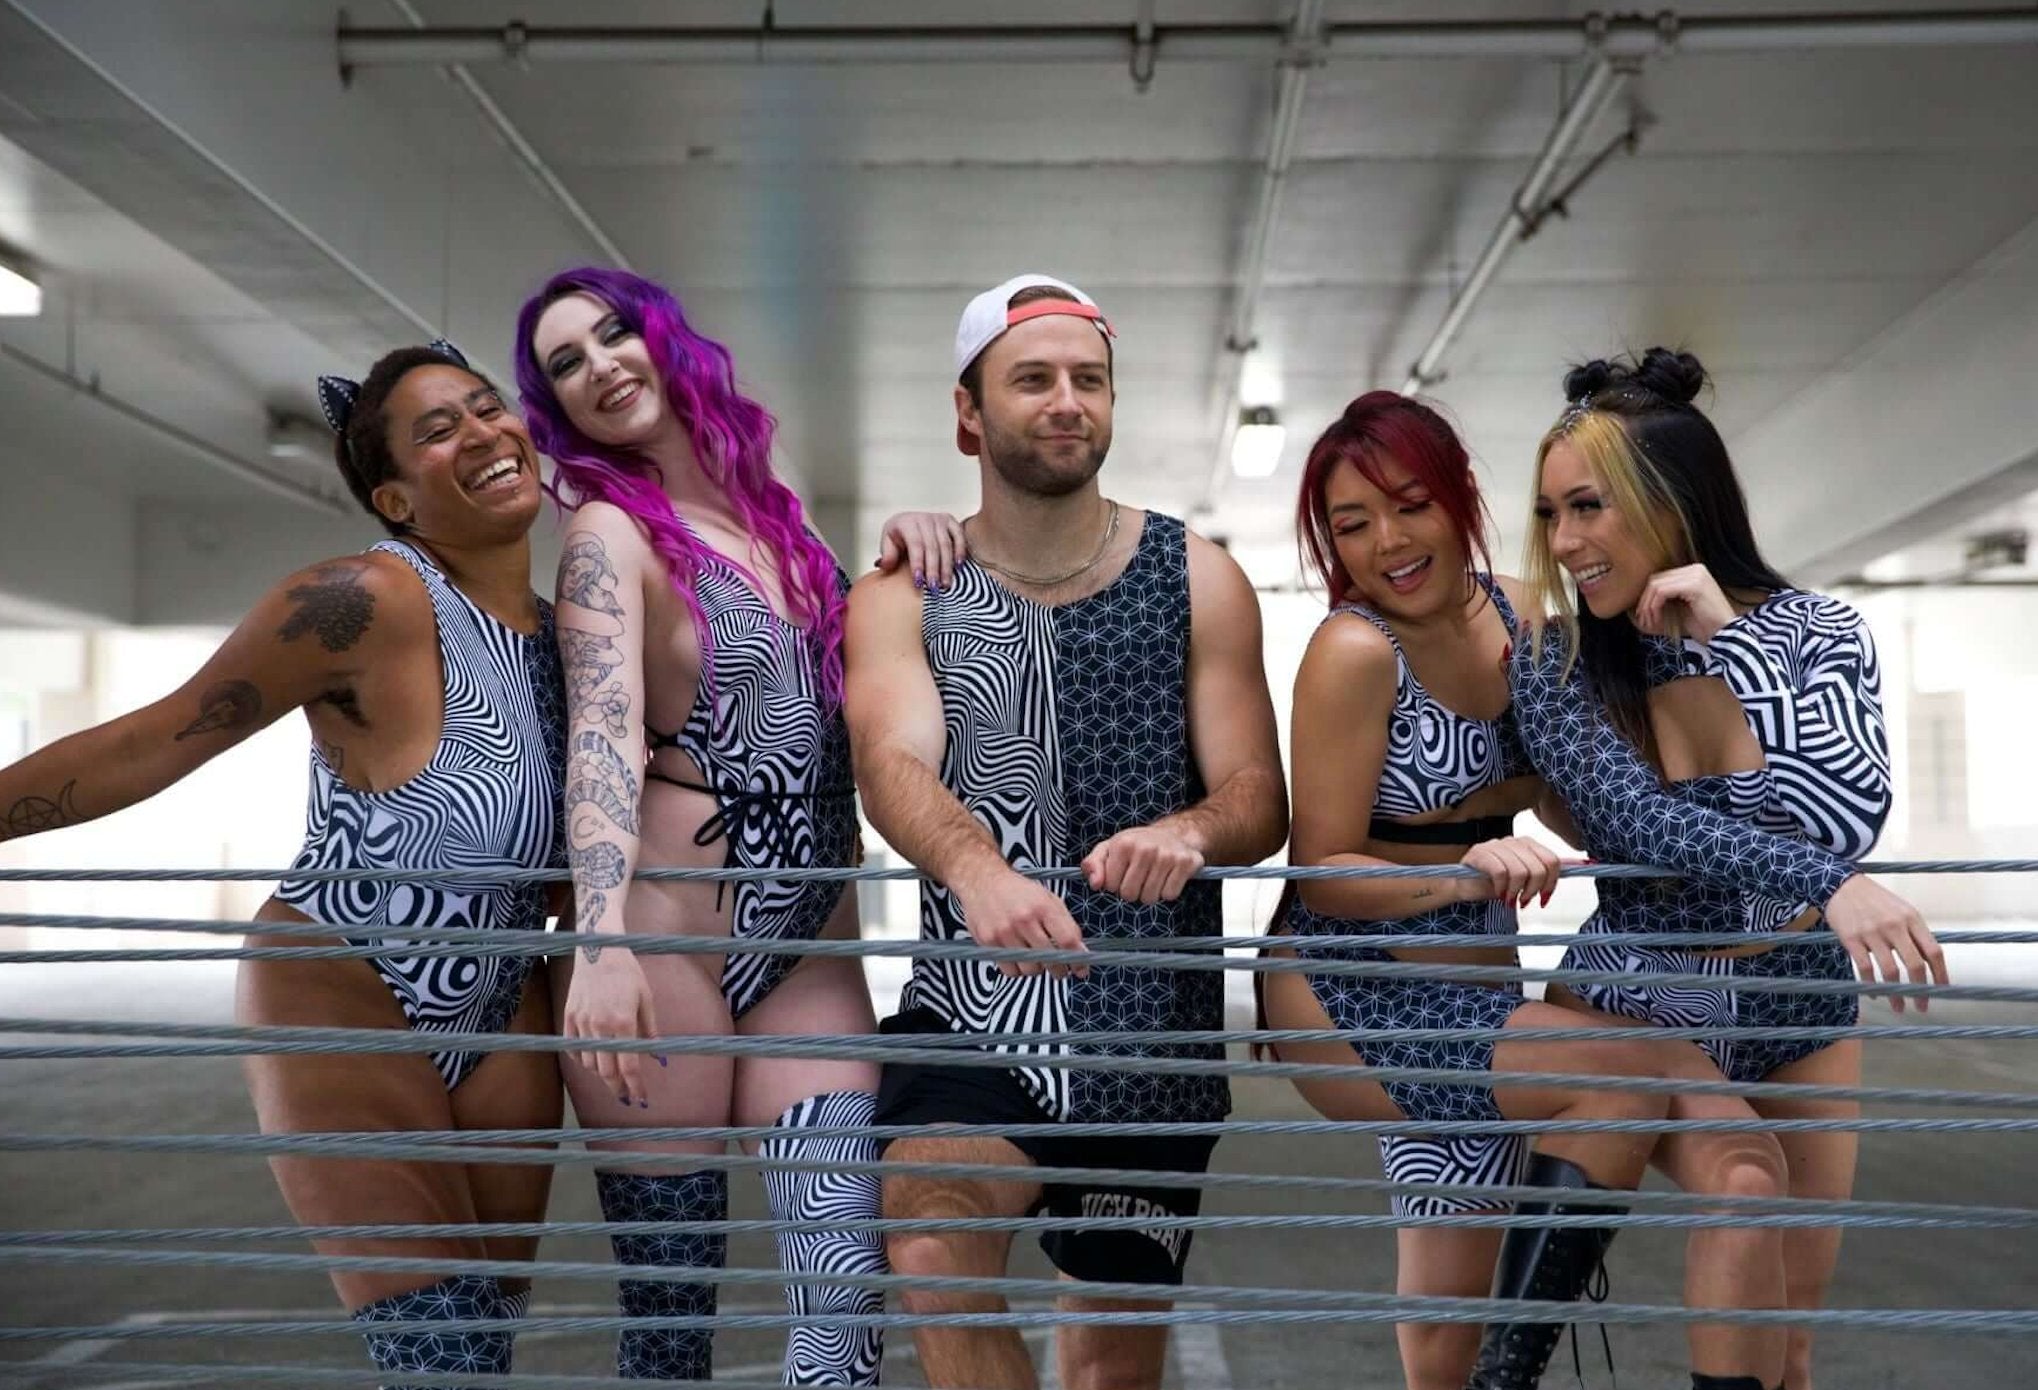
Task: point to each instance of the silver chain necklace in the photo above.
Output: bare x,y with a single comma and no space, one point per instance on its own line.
1048,581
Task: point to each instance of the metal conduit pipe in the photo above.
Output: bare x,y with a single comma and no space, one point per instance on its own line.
272,481
1252,269
1623,35
526,153
1603,81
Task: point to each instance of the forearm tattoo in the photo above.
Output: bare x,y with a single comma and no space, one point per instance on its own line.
599,781
588,650
601,789
596,867
601,792
30,815
227,707
333,607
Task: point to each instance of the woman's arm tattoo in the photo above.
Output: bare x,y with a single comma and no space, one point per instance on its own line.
334,606
588,580
226,707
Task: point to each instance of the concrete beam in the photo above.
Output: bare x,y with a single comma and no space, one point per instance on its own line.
223,126
1931,421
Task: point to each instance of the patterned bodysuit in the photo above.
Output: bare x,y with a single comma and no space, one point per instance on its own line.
775,756
1436,759
1065,726
487,800
1804,669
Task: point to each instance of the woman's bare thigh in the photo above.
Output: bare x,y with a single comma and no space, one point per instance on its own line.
513,1090
686,1001
823,995
1291,1003
311,1094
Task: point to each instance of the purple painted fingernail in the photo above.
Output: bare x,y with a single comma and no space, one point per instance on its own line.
661,1060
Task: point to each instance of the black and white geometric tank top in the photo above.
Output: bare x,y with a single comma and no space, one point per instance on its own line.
774,753
1066,725
486,800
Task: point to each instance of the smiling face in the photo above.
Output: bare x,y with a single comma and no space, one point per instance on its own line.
1608,550
466,472
1045,421
1403,552
601,372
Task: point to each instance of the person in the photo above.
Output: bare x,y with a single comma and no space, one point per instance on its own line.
700,627
1087,692
1695,710
427,672
1405,752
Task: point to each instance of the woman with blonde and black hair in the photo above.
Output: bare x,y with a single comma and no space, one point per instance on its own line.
1693,710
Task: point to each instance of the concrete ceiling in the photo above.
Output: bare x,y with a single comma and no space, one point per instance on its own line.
1848,236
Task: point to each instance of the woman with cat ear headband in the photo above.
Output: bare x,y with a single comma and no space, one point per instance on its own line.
427,671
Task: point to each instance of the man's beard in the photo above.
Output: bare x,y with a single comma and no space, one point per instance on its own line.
1025,465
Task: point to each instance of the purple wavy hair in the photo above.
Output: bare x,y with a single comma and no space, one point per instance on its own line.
732,439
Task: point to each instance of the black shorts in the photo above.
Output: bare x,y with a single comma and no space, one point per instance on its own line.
911,1093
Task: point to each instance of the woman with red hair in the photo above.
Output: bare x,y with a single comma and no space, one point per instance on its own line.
1405,752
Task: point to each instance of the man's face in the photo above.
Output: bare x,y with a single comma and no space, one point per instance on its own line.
1045,424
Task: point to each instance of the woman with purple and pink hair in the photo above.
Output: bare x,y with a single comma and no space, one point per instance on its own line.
700,622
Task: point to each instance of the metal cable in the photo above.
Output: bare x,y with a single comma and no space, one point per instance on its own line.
866,873
562,943
1366,1309
702,945
392,1040
861,1049
381,1146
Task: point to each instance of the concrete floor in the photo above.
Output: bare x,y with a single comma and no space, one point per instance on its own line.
1982,1269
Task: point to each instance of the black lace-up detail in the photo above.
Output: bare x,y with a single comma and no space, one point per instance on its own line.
744,813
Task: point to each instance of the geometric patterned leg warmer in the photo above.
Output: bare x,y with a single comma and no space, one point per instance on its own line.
460,1297
829,1355
676,1354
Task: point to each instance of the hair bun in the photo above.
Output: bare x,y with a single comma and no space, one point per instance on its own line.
1589,379
1675,376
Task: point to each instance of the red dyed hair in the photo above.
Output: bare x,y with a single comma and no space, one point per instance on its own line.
1379,427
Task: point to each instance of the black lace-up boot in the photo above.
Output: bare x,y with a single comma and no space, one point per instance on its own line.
1556,1264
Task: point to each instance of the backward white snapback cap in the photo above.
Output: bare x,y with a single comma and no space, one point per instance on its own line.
987,316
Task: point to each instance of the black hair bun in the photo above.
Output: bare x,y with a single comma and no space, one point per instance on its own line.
1675,376
1589,379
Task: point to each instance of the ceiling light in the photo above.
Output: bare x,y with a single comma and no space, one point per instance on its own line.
20,295
293,437
1256,448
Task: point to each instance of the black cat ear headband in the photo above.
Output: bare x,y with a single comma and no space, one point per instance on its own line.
337,394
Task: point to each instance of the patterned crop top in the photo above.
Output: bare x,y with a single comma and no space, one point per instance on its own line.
1436,757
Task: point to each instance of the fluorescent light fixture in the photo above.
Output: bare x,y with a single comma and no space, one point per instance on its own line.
20,295
1259,379
1256,448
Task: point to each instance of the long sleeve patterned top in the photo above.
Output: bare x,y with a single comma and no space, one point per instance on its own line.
1805,671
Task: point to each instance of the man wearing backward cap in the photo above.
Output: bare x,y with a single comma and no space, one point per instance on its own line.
1088,691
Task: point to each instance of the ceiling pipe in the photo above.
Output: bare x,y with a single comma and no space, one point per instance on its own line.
269,480
1622,35
1240,336
1604,80
526,153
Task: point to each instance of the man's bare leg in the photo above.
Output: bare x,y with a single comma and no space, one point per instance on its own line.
963,1358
